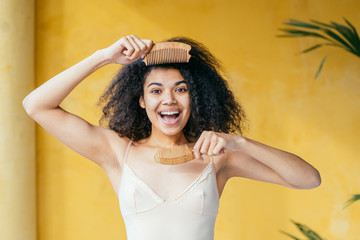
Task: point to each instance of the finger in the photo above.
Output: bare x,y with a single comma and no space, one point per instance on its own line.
135,53
149,44
205,146
213,144
220,147
143,47
129,48
119,43
198,145
198,155
196,149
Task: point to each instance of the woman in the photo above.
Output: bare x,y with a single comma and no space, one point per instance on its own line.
148,107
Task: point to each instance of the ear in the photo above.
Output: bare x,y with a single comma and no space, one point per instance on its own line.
142,102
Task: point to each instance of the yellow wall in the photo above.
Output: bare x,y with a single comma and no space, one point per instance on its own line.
17,131
319,120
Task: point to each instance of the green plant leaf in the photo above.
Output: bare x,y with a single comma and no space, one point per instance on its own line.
353,199
352,27
321,23
288,35
312,48
306,231
302,33
349,35
289,235
337,38
320,67
297,23
356,35
339,35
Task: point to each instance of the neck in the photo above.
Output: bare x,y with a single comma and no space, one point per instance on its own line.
158,139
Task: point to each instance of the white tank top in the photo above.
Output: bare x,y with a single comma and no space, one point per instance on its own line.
147,216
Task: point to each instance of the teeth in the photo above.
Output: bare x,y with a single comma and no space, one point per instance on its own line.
170,113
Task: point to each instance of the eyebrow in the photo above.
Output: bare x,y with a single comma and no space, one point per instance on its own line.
160,84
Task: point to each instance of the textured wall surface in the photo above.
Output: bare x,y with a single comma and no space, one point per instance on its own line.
287,108
17,131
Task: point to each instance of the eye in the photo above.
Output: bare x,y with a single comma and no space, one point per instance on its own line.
155,91
181,89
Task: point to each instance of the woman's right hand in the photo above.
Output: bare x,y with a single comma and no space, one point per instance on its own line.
127,50
95,143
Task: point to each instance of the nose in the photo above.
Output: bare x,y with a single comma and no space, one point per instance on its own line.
169,99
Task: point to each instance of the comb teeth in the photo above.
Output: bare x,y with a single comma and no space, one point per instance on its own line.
168,52
174,155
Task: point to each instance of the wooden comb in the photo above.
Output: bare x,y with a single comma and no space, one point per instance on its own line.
173,156
168,52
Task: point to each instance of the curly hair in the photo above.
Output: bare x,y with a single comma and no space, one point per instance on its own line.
213,106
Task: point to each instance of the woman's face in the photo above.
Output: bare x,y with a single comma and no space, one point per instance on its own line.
166,101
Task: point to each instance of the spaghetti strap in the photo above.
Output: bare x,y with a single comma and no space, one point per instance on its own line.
127,150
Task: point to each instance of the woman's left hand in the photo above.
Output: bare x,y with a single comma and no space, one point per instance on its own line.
214,143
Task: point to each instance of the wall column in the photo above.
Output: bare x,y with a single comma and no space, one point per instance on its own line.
17,130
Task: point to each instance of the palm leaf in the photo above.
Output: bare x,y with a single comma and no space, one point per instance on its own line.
317,46
339,35
289,235
321,23
302,33
352,28
312,48
320,67
297,23
306,231
349,35
338,39
353,199
288,35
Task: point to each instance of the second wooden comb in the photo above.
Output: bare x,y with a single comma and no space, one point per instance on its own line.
168,52
173,156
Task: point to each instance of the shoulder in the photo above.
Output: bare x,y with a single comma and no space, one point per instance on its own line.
117,147
230,164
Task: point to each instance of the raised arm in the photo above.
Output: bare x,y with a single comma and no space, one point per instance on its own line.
93,142
251,159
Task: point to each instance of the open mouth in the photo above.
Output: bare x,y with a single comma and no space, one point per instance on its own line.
170,116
